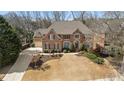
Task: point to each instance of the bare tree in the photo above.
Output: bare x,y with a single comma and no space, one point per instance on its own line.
115,28
59,15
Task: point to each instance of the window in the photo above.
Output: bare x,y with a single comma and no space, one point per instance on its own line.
77,36
66,36
49,46
54,46
57,46
51,36
45,46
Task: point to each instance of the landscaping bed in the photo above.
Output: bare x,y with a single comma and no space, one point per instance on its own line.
38,61
96,58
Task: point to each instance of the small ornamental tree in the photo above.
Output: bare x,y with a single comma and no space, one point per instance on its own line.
10,44
84,47
72,48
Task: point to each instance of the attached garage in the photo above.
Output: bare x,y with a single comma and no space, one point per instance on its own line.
38,42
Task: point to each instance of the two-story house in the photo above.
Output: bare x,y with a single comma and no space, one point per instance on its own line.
63,35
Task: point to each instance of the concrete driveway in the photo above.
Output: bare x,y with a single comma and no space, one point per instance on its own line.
18,69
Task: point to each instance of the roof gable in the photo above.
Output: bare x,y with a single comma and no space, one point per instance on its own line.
52,31
65,27
68,27
77,31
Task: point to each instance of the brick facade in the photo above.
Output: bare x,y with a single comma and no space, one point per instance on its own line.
58,42
63,34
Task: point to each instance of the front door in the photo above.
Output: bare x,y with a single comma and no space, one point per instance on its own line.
66,44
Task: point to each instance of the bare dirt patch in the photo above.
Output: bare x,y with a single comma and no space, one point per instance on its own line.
71,67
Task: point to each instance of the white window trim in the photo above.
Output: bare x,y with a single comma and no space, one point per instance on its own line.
51,36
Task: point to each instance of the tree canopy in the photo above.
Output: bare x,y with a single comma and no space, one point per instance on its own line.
10,44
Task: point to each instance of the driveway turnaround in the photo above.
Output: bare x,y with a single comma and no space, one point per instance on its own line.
71,67
18,69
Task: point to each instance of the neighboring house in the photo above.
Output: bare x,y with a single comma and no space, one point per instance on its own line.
65,34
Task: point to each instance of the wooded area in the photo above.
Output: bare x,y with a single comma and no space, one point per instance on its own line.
109,22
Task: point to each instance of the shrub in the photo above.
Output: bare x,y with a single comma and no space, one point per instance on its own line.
32,65
46,51
39,63
68,51
99,60
91,55
81,52
65,51
72,48
55,51
84,47
94,58
95,53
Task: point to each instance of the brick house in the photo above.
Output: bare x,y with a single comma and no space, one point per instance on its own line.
65,34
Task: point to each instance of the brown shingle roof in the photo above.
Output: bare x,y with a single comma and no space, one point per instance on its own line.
65,27
68,27
40,32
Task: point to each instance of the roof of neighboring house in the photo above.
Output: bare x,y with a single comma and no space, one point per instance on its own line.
65,27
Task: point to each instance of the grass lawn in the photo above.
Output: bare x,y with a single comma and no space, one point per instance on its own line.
71,67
